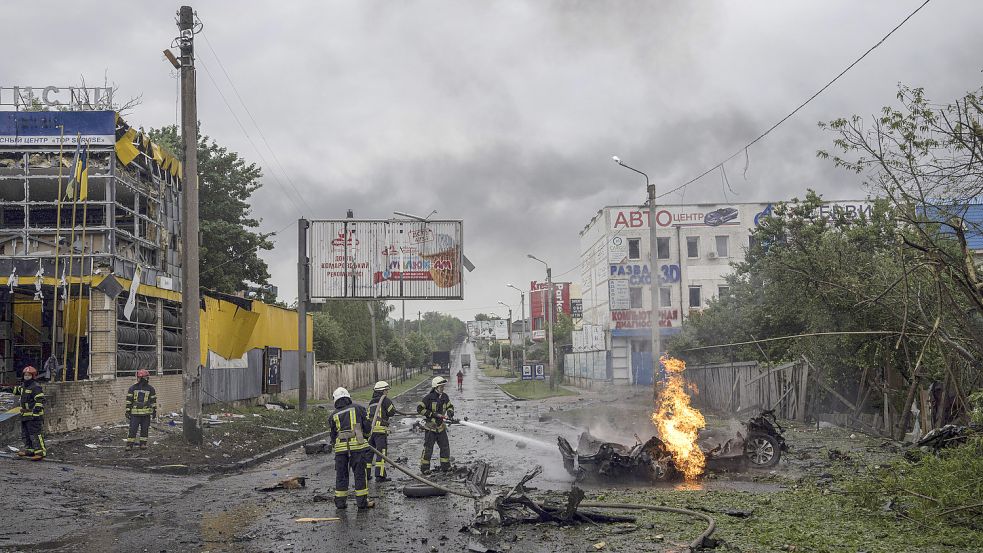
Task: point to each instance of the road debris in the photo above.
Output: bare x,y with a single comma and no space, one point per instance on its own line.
279,428
292,483
317,519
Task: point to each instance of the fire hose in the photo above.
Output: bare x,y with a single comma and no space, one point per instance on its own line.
693,545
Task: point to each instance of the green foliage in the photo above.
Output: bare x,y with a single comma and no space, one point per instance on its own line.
396,353
343,330
419,348
938,491
229,255
976,406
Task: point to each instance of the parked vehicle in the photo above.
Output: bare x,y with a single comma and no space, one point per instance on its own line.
440,362
465,360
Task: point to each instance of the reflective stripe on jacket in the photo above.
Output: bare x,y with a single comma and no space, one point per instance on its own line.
381,425
31,400
349,427
434,404
141,399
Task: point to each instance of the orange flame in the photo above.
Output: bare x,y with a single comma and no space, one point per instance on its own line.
678,422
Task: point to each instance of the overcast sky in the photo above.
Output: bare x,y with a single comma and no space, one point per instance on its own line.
505,114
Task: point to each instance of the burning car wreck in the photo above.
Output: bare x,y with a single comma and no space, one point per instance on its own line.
760,445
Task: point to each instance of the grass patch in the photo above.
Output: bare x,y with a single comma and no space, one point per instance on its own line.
364,394
803,519
534,389
491,371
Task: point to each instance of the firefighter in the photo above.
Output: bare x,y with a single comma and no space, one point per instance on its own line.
141,406
436,409
31,414
349,425
381,409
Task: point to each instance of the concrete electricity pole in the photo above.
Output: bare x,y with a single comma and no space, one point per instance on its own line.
302,298
189,232
522,302
654,263
511,348
548,306
375,344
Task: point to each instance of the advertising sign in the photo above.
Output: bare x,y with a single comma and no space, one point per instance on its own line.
385,259
619,294
617,249
271,370
538,294
500,329
45,128
540,372
681,215
577,308
527,372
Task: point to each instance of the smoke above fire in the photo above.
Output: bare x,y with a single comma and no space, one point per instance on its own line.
679,423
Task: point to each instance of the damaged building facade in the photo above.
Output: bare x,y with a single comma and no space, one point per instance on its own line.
697,246
70,249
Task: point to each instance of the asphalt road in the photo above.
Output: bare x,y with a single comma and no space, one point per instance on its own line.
53,507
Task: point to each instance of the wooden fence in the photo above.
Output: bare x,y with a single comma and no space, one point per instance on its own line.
743,387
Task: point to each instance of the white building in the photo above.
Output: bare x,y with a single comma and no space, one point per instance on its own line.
696,246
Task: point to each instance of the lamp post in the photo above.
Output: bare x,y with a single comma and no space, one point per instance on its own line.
549,315
511,356
653,261
522,302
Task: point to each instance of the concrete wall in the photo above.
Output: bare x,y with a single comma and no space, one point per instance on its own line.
88,403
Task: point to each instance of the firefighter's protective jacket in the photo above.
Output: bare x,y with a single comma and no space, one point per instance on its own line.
31,399
141,399
350,427
433,404
387,411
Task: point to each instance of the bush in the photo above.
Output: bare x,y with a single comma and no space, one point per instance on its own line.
935,490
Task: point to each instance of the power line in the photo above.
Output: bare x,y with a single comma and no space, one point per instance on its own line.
802,105
249,138
262,135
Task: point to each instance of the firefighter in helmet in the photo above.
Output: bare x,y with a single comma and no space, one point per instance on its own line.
31,414
436,409
349,425
381,409
141,406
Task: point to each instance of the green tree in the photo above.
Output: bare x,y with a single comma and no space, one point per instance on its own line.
397,354
329,338
229,257
353,324
420,349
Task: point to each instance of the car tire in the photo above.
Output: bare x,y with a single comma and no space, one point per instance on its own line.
762,451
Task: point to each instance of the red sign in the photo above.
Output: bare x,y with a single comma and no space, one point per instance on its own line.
537,295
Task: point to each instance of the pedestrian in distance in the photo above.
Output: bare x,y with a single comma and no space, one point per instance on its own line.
437,409
381,410
31,414
460,381
349,425
141,406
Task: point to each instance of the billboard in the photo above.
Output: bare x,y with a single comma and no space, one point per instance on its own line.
386,259
495,329
50,128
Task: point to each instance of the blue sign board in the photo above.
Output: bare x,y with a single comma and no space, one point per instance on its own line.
527,372
47,128
540,373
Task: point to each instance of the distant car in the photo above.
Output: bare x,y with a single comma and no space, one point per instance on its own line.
720,216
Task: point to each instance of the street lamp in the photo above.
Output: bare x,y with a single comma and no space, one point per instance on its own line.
511,356
549,315
654,261
522,302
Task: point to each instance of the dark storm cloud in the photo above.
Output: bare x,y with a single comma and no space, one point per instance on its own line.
505,114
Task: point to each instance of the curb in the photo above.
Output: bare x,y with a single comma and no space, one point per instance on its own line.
516,398
275,452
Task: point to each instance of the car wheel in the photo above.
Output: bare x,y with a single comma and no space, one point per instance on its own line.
762,450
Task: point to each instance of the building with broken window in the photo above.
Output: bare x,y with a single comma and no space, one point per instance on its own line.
88,204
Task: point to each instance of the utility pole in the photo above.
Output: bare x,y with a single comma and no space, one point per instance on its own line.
302,297
522,302
549,329
419,323
190,299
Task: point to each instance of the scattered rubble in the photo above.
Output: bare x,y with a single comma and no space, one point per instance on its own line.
292,483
